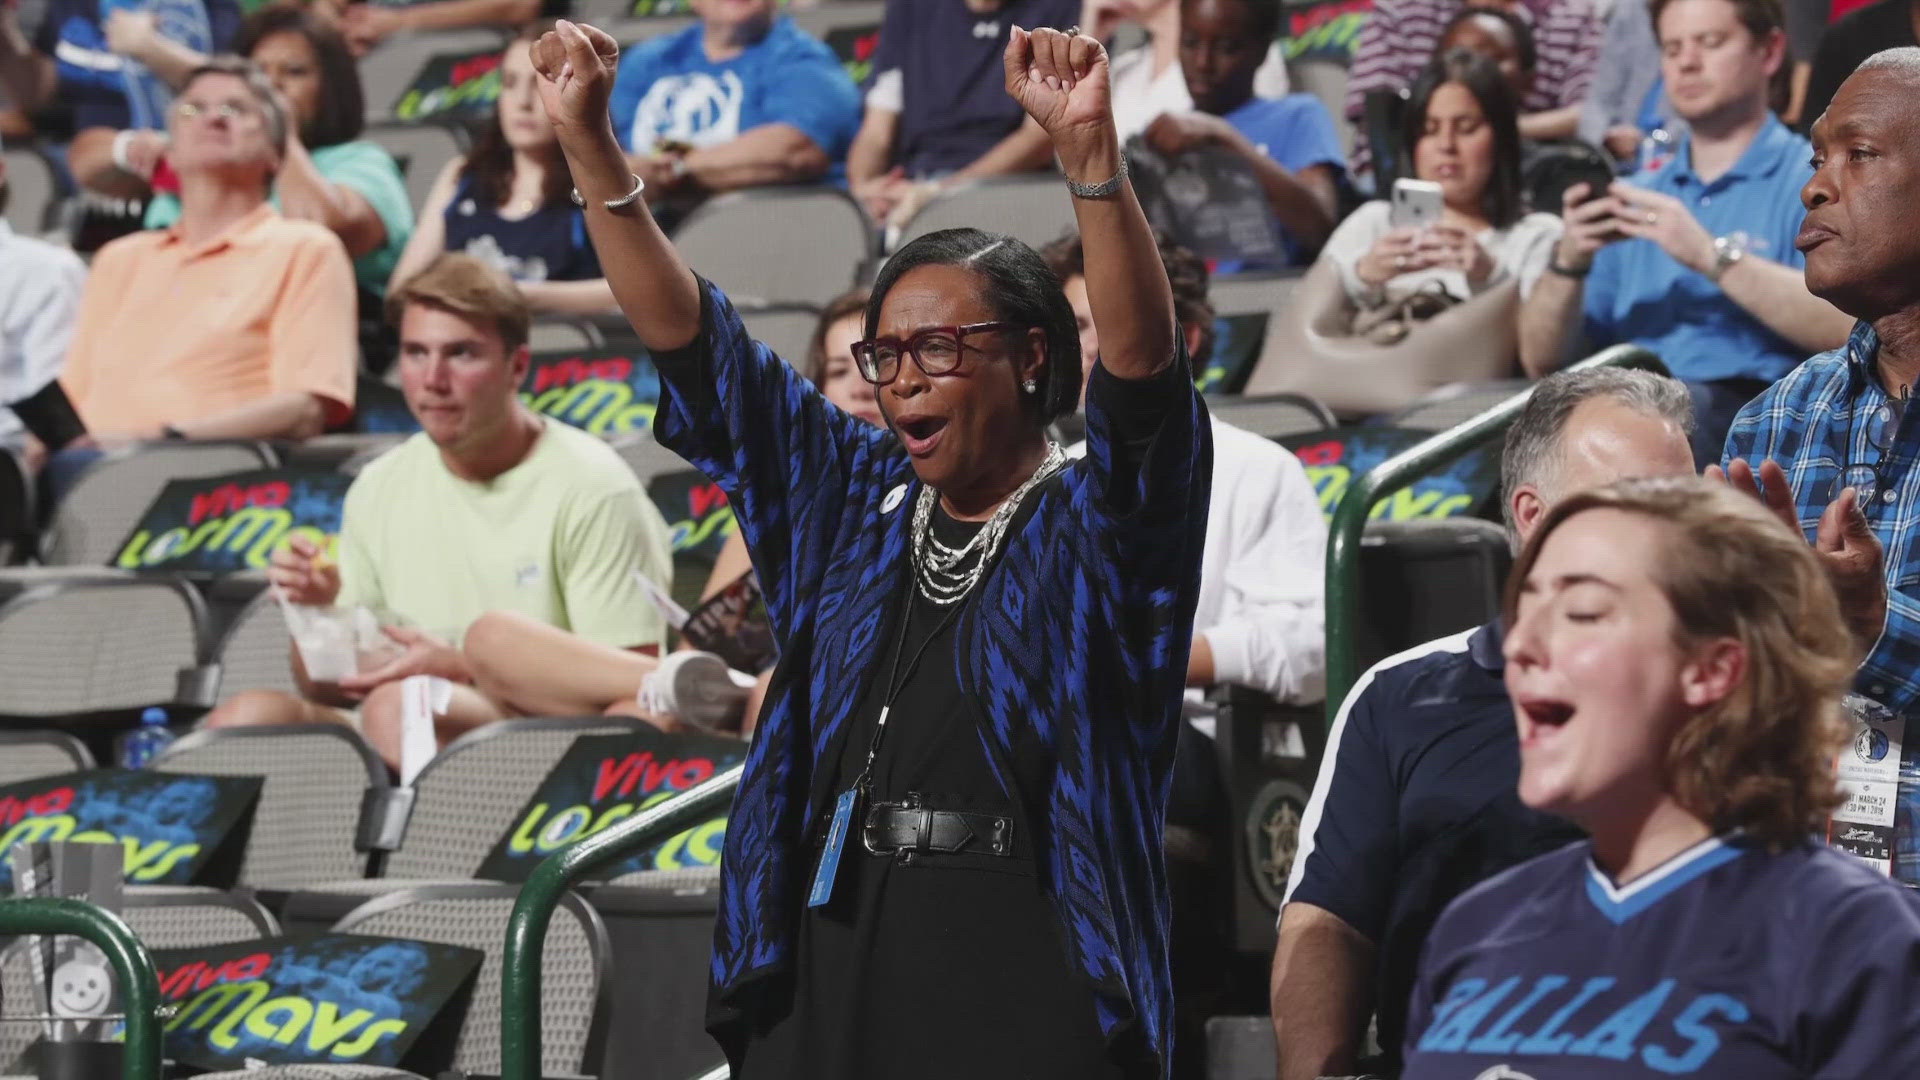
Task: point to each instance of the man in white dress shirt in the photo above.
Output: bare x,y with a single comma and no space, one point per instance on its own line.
39,295
1260,620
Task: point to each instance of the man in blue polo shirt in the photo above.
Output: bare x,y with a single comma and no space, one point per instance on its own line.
739,100
1416,801
1694,258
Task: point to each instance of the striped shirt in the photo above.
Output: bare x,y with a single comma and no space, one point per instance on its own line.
1399,38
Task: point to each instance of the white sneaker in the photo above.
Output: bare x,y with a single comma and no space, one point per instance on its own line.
696,687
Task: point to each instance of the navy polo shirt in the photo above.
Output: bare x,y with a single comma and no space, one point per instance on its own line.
1415,804
954,101
1638,293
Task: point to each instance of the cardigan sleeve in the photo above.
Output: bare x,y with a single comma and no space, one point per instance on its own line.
791,463
1150,474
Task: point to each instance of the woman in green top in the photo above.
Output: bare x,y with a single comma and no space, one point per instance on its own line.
330,175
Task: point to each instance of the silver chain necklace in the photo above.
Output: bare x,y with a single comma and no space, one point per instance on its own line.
945,574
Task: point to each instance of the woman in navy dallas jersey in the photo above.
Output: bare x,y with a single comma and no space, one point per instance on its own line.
1676,658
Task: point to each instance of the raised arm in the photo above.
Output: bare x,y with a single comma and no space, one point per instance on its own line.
1062,83
655,288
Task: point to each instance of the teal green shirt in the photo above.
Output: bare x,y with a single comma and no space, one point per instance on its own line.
367,169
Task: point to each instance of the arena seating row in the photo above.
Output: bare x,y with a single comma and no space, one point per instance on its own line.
324,801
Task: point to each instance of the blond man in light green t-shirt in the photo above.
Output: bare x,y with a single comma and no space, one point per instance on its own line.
492,510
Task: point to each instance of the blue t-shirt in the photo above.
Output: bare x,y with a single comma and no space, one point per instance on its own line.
1638,293
1297,132
668,89
549,244
1416,804
92,77
1724,961
954,102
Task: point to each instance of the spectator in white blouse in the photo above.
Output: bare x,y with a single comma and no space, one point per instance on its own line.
1461,133
39,295
1260,619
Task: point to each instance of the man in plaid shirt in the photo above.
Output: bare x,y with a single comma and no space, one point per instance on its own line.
1835,442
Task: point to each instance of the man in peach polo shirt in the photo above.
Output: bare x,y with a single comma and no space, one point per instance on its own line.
234,323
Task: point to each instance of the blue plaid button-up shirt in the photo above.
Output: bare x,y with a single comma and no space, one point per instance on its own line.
1816,422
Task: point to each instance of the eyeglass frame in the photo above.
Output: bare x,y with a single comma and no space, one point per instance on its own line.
910,346
227,110
1899,408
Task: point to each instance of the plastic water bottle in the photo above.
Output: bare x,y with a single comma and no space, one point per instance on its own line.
146,742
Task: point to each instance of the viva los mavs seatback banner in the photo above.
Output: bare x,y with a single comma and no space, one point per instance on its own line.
1336,459
605,779
459,86
176,829
1326,30
331,998
235,521
608,391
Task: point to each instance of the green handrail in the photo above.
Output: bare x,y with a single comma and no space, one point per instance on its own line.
1381,481
139,985
533,911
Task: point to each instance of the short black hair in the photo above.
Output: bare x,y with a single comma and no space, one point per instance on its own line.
1760,17
1264,13
1523,44
342,112
1481,76
1020,288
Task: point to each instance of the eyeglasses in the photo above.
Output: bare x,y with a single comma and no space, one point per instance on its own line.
1884,426
936,349
230,111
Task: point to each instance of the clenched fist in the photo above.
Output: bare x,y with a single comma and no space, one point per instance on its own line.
576,64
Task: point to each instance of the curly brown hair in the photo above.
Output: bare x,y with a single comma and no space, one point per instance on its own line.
1186,273
1760,759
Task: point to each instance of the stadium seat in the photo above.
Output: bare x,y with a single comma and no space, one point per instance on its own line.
342,453
387,71
17,514
1273,416
32,191
787,329
1427,578
1252,293
1033,207
1326,80
318,776
254,653
659,1007
107,500
778,245
97,642
474,914
647,458
468,796
1451,406
422,151
28,755
163,917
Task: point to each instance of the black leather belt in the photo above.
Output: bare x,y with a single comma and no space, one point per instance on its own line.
910,828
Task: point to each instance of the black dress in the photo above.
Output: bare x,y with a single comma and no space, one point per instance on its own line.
953,965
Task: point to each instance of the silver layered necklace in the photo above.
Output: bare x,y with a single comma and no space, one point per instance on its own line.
945,575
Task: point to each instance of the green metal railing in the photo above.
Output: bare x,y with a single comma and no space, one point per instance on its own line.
533,911
1398,471
139,985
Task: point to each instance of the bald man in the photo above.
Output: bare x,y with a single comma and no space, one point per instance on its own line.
1839,421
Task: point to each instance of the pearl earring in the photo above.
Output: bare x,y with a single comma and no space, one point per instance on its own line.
1030,386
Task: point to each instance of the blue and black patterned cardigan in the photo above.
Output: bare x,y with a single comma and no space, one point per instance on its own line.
1082,633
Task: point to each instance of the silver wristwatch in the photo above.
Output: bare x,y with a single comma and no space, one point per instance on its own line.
1727,250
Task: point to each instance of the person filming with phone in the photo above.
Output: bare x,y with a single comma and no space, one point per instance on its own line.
1422,289
1694,258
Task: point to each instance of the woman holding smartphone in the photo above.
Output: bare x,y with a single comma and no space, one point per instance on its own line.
1462,135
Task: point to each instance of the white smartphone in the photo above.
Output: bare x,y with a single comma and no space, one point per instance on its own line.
1416,203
